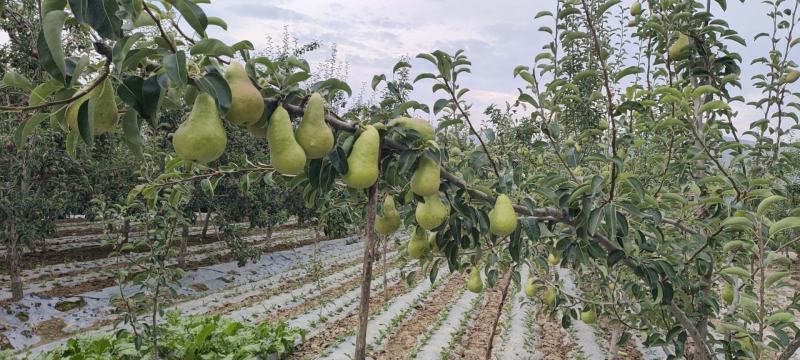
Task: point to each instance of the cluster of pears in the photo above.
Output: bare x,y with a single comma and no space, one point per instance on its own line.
313,140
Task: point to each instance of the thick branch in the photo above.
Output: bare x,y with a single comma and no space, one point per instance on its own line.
95,83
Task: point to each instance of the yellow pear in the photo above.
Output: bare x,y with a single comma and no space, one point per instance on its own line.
432,212
313,134
531,288
419,125
475,284
502,218
552,259
362,164
201,137
103,108
588,316
247,104
287,156
425,181
390,221
676,50
418,244
550,296
636,8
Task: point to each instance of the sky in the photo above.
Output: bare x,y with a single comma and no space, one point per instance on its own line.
497,35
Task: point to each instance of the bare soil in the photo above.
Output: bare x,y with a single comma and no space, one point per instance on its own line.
553,343
477,341
406,335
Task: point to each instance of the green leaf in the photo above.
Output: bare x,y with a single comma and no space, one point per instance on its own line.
121,48
85,126
131,135
714,105
774,277
215,85
51,28
765,204
242,45
439,105
297,77
213,20
400,65
176,68
51,5
15,80
627,71
735,270
377,79
332,85
101,15
27,127
44,90
211,47
193,15
784,224
140,94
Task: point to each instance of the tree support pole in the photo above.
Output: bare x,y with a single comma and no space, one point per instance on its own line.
366,278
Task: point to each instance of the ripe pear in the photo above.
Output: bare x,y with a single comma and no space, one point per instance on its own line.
676,50
425,181
502,218
432,212
552,259
201,137
727,293
247,104
390,221
418,244
588,316
550,296
419,125
475,284
313,133
103,108
531,288
362,164
287,156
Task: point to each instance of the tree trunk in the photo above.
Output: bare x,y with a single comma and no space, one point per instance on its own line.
268,236
12,261
184,241
205,225
385,283
126,230
366,278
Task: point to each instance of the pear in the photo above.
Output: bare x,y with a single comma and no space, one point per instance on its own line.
727,293
502,218
103,108
259,128
432,212
418,244
588,316
475,284
419,125
552,259
362,164
791,76
287,156
432,241
201,137
676,50
247,104
425,181
531,288
313,134
636,8
550,296
390,221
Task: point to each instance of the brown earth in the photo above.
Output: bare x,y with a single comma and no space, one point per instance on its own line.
477,341
553,343
406,335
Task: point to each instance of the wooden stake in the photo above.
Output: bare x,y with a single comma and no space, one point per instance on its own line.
366,277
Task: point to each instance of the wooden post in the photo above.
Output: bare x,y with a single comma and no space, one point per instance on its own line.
205,225
366,277
12,261
184,241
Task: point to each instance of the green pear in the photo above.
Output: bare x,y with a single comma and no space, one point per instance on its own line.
287,156
425,181
550,296
676,50
103,108
636,8
390,221
502,218
419,125
531,288
201,137
475,284
418,245
588,316
727,293
247,104
362,164
432,241
432,212
552,259
791,76
313,134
